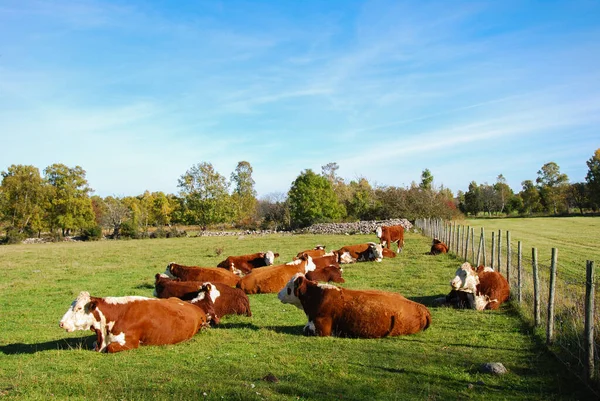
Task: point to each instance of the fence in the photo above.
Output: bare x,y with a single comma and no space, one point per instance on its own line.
568,304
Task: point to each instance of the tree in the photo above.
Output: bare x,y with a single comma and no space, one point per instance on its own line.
593,179
22,199
206,195
70,207
244,194
426,180
312,200
503,193
577,196
552,185
362,204
274,211
530,197
473,200
116,213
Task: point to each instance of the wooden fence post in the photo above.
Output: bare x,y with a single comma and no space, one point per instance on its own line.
493,249
589,320
479,250
467,244
462,241
473,244
550,326
508,256
536,288
519,269
499,251
483,247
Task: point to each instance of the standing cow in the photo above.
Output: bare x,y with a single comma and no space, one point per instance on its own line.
389,234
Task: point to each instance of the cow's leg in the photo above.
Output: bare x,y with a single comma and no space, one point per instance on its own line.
323,326
117,347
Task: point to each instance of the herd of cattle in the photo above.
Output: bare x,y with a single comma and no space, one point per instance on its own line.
188,298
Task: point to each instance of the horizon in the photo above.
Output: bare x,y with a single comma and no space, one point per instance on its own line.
136,93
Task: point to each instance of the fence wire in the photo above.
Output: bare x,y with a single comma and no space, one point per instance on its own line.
568,340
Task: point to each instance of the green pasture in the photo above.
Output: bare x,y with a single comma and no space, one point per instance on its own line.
38,360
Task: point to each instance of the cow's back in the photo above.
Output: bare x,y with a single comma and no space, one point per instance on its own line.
269,279
204,274
375,314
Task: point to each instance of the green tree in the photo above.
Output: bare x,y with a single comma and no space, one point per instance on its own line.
361,204
577,196
162,209
503,193
530,197
593,179
206,195
70,207
473,199
553,186
23,197
426,180
312,200
244,195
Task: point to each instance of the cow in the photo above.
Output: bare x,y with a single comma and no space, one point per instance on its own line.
389,234
243,264
361,253
388,253
326,274
123,323
328,259
316,252
230,301
353,313
271,279
438,247
489,288
204,274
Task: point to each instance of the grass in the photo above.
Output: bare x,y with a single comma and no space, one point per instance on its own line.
38,360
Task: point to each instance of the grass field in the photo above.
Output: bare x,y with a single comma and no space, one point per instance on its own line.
38,360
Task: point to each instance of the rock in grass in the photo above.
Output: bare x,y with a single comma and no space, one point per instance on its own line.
271,378
494,368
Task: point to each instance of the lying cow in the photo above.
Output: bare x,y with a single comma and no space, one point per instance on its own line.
204,274
438,247
361,253
388,253
243,264
489,288
390,234
273,278
316,252
229,301
328,259
123,323
351,313
326,274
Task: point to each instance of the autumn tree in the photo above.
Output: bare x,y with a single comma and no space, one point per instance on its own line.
70,207
593,179
552,185
312,200
205,195
23,198
530,197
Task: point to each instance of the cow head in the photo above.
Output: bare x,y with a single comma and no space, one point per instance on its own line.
270,257
345,258
376,251
168,271
292,290
465,279
379,232
310,265
208,293
319,248
79,316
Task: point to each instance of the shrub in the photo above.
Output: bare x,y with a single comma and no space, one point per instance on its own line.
14,237
128,230
92,233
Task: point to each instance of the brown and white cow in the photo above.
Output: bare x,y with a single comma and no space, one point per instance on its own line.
389,234
489,288
326,274
316,252
361,253
229,301
328,259
204,274
123,323
271,279
352,313
243,264
438,247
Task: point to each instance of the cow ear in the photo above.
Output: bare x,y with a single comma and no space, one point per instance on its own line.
305,256
91,306
261,254
276,255
299,285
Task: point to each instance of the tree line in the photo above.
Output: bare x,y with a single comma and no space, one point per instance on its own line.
550,193
60,202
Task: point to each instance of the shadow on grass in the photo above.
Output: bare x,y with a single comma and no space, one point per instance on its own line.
249,326
85,343
429,300
145,286
292,330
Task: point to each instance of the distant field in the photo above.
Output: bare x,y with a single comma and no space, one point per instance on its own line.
574,237
38,360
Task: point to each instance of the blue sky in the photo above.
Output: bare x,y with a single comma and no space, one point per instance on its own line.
136,92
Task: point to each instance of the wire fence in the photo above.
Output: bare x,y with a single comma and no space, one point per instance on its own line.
561,311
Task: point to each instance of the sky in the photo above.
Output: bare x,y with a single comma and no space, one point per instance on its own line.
138,92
